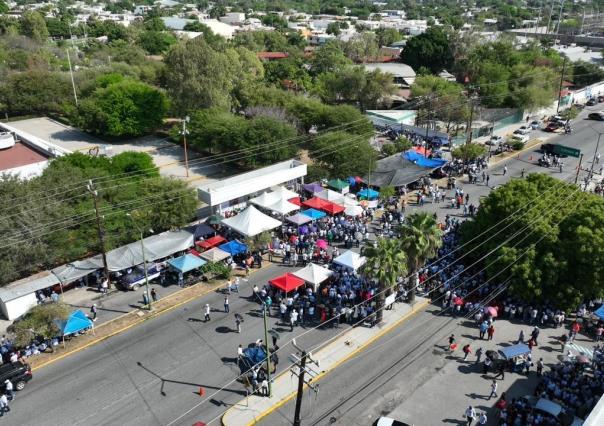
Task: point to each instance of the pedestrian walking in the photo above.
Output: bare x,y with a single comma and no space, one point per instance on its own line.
154,295
599,332
467,350
488,177
597,158
493,389
93,311
491,332
207,312
470,415
478,355
8,387
505,170
239,352
4,408
452,344
229,286
226,305
482,328
540,367
500,372
238,324
487,365
521,337
483,419
535,335
293,317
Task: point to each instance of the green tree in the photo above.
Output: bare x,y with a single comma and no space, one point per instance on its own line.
333,28
209,36
329,58
493,81
40,321
362,47
3,7
420,239
33,26
386,262
127,108
470,151
35,92
430,49
154,23
387,36
586,73
342,154
156,42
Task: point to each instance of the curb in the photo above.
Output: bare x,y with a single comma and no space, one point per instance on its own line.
415,309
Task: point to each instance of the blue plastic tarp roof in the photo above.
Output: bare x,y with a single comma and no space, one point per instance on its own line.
368,193
186,263
255,354
422,161
514,351
233,247
314,214
600,312
77,321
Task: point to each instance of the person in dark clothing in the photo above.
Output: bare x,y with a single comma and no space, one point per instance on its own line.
500,372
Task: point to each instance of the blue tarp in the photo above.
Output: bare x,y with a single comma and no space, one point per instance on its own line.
233,247
368,193
514,351
600,312
77,321
255,354
186,263
314,214
422,161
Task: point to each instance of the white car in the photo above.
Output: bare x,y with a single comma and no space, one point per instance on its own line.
524,130
387,421
495,140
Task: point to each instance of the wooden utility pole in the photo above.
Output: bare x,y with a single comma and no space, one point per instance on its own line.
300,389
99,227
184,140
578,169
561,82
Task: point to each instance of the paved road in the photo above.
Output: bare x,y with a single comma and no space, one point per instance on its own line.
151,373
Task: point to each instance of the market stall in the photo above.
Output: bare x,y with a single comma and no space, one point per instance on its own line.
233,248
350,260
313,187
251,222
315,203
339,185
287,282
214,255
333,209
210,242
186,263
314,214
283,207
314,274
299,219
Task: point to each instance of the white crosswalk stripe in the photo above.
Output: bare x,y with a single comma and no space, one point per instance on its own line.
579,350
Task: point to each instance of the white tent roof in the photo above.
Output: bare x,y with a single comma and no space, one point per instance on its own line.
251,222
266,199
348,201
313,274
353,210
284,193
283,206
350,260
330,195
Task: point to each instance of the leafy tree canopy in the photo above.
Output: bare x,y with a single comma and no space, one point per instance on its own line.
430,49
342,154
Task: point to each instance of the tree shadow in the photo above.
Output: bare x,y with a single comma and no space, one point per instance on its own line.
223,329
178,382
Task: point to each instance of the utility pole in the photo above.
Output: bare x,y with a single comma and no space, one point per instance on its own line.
99,226
302,371
75,95
428,114
469,129
184,133
561,82
268,350
593,161
578,169
559,19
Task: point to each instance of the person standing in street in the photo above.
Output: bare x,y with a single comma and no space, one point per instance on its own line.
482,419
478,355
470,415
505,170
500,372
93,311
490,332
493,389
226,305
8,387
207,313
540,367
467,350
488,177
239,352
521,337
293,317
238,323
154,295
4,408
452,344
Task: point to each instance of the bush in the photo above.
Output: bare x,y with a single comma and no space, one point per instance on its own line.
517,145
39,321
217,269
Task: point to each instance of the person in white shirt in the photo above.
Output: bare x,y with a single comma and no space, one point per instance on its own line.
207,312
8,386
4,408
482,420
470,415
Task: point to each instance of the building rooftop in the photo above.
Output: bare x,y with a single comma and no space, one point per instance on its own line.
19,155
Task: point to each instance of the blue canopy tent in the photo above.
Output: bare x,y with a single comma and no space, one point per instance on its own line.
233,247
420,160
368,193
600,312
186,263
314,214
77,321
514,351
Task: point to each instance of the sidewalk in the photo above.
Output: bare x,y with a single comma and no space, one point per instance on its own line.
254,408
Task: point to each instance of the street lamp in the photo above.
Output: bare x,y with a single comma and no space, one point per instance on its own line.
184,132
147,292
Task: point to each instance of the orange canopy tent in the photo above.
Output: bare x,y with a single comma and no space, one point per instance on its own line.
287,282
211,242
316,203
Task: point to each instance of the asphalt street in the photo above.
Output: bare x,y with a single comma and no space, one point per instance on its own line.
151,374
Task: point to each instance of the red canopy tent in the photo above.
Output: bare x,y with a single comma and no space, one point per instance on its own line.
287,282
194,252
296,201
316,203
211,242
333,208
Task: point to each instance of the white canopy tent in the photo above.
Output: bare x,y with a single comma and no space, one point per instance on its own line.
283,207
251,222
284,193
314,274
266,199
350,260
349,201
331,195
353,210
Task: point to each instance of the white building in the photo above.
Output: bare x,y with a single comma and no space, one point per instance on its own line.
233,18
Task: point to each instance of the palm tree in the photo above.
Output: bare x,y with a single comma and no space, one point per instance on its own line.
420,239
386,261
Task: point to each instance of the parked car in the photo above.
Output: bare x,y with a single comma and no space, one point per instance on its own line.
599,116
600,98
136,278
523,130
387,421
535,124
553,127
18,373
591,102
495,140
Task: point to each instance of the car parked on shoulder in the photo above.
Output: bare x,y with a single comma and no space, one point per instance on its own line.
535,124
553,127
519,138
136,278
524,130
388,421
591,102
494,140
